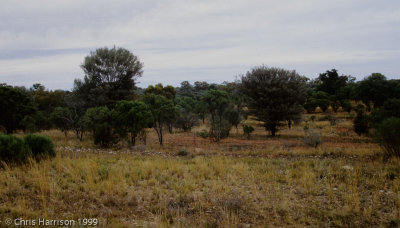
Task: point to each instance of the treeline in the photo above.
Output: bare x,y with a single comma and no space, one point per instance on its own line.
107,104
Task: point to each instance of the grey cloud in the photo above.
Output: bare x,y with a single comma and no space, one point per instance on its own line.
211,39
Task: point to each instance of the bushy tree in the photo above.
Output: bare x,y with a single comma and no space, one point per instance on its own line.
163,112
100,121
376,89
110,76
217,103
275,95
330,82
186,117
14,106
131,118
360,123
247,130
317,99
388,136
61,117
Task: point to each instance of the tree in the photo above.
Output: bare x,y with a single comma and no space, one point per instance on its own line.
376,89
330,82
275,95
167,91
110,76
14,106
162,110
61,117
317,99
132,117
217,103
186,117
100,121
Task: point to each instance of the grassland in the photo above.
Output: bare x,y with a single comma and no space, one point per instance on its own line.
261,182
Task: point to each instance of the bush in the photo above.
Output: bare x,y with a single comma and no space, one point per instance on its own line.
13,149
40,146
388,136
204,134
360,123
312,138
182,152
247,130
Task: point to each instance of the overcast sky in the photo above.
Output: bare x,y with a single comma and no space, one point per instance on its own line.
210,40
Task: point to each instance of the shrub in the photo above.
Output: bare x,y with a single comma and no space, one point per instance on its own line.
13,149
204,134
360,123
388,136
182,152
247,130
312,138
40,146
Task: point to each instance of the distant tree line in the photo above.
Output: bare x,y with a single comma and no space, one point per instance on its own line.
107,105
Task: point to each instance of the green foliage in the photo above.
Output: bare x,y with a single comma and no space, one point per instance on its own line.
100,121
317,99
233,116
47,100
376,89
330,82
14,106
360,123
388,136
247,129
182,152
13,149
275,95
131,117
110,76
61,117
204,134
216,103
40,146
346,105
186,118
162,110
167,91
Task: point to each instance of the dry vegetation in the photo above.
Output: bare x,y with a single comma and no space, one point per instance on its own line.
236,183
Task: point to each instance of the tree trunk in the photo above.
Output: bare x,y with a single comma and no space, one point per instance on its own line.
158,128
133,139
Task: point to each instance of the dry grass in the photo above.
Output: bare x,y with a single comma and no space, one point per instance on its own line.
237,183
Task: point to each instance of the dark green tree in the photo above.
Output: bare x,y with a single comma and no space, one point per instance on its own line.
62,119
186,117
317,99
163,112
100,121
110,76
374,90
275,95
217,103
15,105
131,118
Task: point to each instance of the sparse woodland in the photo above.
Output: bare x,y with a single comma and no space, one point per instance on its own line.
273,148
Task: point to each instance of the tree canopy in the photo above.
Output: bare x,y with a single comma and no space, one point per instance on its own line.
275,95
110,76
